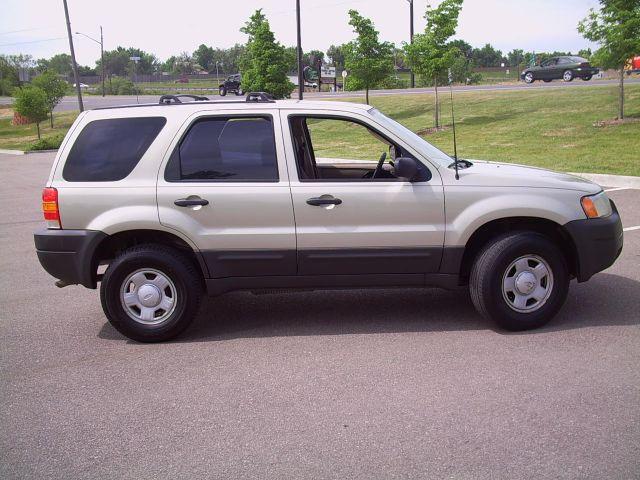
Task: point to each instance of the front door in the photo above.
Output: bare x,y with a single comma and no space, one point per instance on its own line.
225,186
353,216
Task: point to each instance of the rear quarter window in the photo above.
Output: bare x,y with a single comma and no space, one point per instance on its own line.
108,150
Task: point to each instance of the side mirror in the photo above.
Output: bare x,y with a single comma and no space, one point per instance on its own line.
409,169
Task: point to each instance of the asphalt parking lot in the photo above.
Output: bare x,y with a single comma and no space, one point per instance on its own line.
364,384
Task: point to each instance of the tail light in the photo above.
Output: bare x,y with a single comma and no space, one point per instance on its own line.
50,207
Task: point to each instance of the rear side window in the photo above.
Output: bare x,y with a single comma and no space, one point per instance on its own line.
226,149
109,150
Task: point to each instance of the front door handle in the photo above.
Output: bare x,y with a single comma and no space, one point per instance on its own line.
191,202
324,200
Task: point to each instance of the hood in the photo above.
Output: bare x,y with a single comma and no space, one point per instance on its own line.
495,174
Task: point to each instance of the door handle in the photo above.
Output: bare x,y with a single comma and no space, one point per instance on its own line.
191,202
324,200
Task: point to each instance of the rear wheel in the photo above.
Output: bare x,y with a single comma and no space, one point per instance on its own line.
586,78
151,293
567,76
520,281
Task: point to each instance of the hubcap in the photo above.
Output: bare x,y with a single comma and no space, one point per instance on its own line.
567,75
527,283
148,296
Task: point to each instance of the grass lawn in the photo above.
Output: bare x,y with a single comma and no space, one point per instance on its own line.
551,128
20,137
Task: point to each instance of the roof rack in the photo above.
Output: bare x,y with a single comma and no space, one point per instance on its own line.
169,99
260,97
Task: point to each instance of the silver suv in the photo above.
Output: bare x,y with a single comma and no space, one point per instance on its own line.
162,203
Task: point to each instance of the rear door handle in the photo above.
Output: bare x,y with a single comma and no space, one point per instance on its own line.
191,202
324,200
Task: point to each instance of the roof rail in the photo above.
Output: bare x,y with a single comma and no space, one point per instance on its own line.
169,99
260,97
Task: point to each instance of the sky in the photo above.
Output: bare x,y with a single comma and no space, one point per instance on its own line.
37,27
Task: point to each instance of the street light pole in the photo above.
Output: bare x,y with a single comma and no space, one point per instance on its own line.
73,57
413,77
101,43
299,51
102,58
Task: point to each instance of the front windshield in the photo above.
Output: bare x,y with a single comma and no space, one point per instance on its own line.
432,153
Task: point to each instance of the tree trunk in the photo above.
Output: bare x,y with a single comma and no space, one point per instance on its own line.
437,110
621,112
51,118
38,127
366,95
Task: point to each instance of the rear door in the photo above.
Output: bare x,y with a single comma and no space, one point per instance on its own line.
378,225
225,186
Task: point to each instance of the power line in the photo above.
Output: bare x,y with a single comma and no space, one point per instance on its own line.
23,30
32,41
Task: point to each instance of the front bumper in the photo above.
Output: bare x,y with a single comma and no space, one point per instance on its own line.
598,243
68,254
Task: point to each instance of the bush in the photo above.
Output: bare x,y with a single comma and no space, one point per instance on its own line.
119,86
31,102
47,143
6,87
393,81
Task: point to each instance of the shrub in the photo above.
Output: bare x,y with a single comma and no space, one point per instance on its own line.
6,87
31,102
47,143
120,86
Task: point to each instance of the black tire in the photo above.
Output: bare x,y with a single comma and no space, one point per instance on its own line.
490,268
547,80
586,78
222,91
529,78
177,267
568,76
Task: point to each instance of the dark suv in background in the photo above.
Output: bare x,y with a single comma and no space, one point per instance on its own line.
231,84
567,68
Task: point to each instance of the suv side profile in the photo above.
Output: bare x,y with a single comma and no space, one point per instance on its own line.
160,204
232,84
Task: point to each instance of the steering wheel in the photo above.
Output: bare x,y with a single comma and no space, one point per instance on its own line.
378,169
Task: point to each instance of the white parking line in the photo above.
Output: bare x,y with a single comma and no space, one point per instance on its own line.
628,229
616,189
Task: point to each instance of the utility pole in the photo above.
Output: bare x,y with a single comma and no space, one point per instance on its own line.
300,73
413,77
73,57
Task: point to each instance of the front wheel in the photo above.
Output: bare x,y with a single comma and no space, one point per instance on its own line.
223,91
151,293
567,76
520,281
528,78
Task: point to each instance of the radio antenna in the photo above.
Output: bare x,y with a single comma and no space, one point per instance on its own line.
453,126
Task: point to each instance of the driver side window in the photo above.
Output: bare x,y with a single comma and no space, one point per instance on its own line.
334,149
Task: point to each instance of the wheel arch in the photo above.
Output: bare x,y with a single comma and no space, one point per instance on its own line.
494,228
117,242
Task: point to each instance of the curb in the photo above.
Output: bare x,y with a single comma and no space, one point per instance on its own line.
617,181
26,152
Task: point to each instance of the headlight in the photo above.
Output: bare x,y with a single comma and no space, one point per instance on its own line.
596,206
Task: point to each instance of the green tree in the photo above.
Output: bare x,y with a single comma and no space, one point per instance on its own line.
264,65
487,56
54,88
205,57
515,57
31,102
430,54
335,53
368,60
60,64
616,28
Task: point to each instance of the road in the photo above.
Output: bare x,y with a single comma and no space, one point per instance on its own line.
363,384
94,101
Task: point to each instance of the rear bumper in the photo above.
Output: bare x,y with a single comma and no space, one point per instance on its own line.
598,243
68,254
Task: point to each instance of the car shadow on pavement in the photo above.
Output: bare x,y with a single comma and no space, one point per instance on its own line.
605,300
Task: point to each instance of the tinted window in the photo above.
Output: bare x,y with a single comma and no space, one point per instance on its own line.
226,149
108,150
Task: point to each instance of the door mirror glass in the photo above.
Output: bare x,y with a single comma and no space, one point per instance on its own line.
409,169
